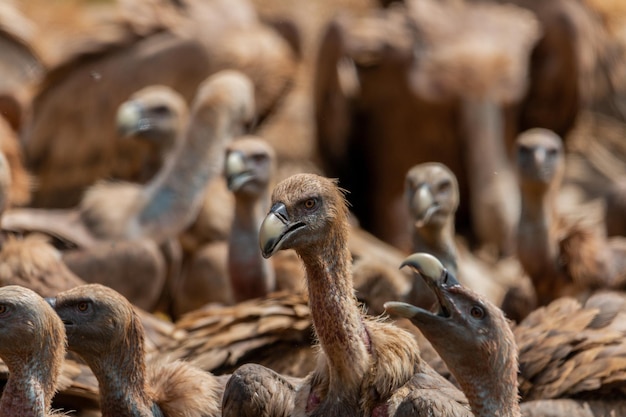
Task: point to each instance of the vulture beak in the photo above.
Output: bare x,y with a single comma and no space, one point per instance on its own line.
440,281
235,171
130,119
424,205
51,300
276,229
539,156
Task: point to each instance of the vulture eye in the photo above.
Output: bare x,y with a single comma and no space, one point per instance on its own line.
258,157
161,110
82,306
310,204
477,312
3,309
444,186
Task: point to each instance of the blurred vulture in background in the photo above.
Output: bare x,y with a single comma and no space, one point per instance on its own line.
75,106
452,82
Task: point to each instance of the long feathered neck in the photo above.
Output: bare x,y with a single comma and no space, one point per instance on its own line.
536,246
336,316
32,378
492,388
438,241
251,275
121,376
493,181
174,197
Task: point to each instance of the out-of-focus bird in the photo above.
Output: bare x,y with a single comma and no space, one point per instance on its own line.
561,257
158,211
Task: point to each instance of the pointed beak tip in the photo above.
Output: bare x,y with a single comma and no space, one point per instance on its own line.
399,308
425,264
51,301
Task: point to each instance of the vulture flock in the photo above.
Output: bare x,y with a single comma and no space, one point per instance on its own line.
338,208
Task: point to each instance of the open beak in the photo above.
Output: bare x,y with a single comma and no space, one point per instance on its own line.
439,280
235,171
130,119
276,229
424,205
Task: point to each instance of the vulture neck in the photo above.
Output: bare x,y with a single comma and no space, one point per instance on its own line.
492,388
438,241
494,200
121,377
537,249
174,197
251,275
336,316
31,384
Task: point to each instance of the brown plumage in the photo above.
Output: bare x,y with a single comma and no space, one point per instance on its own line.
365,366
370,136
33,353
561,257
274,331
132,50
465,325
105,331
569,349
32,262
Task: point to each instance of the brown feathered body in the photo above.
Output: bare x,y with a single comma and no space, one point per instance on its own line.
34,263
275,332
573,350
105,331
363,363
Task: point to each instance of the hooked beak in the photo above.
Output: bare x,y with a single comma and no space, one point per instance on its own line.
276,229
235,171
51,300
130,120
439,280
424,205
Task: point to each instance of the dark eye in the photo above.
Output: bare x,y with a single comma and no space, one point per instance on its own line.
82,306
477,312
444,186
3,309
310,203
258,157
161,110
552,152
